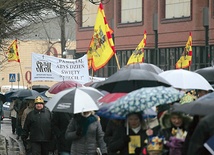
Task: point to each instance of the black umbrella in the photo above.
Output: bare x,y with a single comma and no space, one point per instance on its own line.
207,73
21,93
127,80
145,66
40,88
202,106
2,97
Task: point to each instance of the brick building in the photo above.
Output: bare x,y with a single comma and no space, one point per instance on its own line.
167,23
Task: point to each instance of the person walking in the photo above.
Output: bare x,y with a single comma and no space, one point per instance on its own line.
174,128
1,111
13,115
203,131
30,107
129,140
38,127
60,122
86,134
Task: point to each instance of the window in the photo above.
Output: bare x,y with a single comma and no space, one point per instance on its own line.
177,8
131,11
89,13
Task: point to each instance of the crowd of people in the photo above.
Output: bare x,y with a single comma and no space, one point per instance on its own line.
44,132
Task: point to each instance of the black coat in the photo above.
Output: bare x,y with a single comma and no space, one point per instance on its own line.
60,122
203,131
119,141
38,125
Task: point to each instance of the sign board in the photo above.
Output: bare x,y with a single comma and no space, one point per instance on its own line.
12,77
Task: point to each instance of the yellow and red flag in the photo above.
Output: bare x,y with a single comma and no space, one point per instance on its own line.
101,47
12,53
138,54
186,58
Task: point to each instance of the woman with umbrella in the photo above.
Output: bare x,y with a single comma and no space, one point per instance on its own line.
174,128
129,140
86,134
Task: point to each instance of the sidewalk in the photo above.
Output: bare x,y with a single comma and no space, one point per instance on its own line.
9,145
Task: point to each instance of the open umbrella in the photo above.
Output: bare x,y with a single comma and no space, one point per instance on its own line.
142,99
207,73
184,79
127,80
202,106
2,97
40,88
145,66
75,100
22,93
57,87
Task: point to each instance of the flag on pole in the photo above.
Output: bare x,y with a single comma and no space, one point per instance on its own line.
186,58
12,53
101,47
138,54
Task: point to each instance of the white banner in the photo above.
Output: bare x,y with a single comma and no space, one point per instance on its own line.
50,68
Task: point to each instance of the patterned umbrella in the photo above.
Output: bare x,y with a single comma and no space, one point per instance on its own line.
142,99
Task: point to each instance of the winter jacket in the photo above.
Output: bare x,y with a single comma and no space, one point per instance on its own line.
120,140
60,122
88,143
203,131
38,125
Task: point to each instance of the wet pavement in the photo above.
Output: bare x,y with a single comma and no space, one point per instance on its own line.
9,145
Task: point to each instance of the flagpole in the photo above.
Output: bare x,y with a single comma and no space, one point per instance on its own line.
21,74
118,65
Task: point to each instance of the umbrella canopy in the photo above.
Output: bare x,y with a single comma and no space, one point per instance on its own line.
207,73
110,97
22,93
184,79
40,88
75,100
202,106
143,99
58,87
127,80
145,66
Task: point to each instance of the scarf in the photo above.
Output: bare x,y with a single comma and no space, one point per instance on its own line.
85,122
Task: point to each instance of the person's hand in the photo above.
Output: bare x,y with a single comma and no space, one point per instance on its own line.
149,132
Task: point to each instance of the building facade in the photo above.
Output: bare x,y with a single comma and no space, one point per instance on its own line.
167,23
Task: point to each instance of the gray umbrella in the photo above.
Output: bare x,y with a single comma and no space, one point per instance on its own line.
144,66
207,73
202,106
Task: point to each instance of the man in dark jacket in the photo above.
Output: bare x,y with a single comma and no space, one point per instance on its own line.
203,131
38,125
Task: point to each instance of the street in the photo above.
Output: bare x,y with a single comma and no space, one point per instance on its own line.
12,145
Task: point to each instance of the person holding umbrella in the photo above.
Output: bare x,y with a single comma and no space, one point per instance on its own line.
129,140
86,134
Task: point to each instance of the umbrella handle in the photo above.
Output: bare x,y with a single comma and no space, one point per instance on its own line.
127,128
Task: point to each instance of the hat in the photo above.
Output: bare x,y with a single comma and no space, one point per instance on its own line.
39,99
